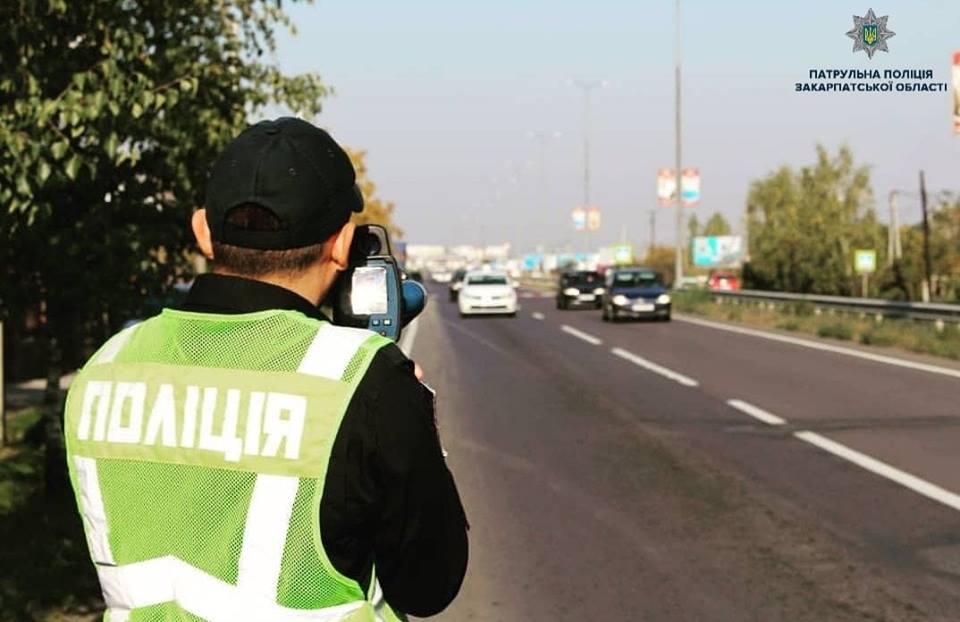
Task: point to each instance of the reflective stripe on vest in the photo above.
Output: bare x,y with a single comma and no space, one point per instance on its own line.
170,579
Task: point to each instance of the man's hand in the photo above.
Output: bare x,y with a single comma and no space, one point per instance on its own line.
418,371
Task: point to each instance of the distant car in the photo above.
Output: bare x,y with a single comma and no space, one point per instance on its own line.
441,276
635,293
456,282
580,288
723,281
487,293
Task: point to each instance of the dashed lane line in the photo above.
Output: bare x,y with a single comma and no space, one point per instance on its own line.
657,369
755,412
537,315
914,483
579,334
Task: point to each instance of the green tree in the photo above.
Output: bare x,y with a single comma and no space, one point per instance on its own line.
110,115
717,225
375,210
661,259
804,226
903,279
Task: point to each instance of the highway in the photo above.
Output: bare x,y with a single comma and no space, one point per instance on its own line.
680,471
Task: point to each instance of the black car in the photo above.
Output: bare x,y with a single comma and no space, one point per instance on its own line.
456,282
579,288
635,293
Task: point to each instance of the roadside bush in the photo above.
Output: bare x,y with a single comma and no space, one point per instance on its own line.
944,343
880,336
791,325
691,300
836,330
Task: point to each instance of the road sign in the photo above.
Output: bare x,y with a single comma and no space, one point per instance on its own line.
579,218
593,218
666,186
865,261
623,255
690,186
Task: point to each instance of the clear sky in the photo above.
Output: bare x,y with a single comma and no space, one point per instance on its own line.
442,94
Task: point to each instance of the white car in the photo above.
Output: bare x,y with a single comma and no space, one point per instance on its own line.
487,293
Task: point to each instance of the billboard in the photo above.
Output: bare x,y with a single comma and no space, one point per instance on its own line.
593,218
718,251
666,186
579,216
956,92
690,186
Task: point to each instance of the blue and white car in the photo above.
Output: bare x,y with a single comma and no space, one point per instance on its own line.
635,293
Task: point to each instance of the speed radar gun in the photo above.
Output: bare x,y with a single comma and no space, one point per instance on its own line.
373,291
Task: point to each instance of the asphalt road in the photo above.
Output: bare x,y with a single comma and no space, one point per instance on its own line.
606,476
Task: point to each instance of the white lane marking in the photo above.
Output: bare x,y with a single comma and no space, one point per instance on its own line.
878,358
408,337
570,330
755,412
657,369
914,483
537,315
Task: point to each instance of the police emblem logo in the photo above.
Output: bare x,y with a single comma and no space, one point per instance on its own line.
870,33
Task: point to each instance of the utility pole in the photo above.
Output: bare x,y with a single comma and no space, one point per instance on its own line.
894,250
678,266
653,231
926,241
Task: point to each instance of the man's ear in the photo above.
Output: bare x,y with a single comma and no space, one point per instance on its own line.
340,245
201,231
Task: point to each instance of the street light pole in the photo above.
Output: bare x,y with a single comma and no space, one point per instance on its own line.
587,86
678,266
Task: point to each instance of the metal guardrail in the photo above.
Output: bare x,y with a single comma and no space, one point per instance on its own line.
887,308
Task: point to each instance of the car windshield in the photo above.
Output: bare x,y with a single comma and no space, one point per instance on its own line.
581,278
487,279
637,279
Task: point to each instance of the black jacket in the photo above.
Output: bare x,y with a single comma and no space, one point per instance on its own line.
389,498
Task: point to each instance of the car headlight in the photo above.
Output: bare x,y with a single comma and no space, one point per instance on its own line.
571,291
620,299
663,299
599,291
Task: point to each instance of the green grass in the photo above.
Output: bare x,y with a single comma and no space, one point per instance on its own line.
802,317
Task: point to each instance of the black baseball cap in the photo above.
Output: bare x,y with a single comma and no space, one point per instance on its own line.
291,168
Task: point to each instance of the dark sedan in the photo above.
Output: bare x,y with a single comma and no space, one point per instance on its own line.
579,288
635,293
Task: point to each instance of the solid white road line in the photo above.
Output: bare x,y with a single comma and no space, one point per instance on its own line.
878,358
408,337
882,469
657,369
537,315
579,334
756,413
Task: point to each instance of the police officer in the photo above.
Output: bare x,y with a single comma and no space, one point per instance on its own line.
242,459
